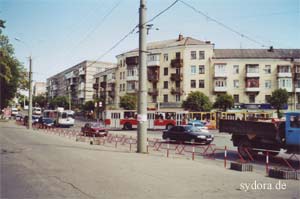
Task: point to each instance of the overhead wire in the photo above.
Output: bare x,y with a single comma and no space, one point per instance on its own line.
132,31
223,25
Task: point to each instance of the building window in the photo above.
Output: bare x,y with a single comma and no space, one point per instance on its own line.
284,68
201,83
251,98
267,98
267,69
120,75
236,69
177,98
165,98
166,71
201,69
193,83
252,68
166,58
201,55
124,87
236,83
120,87
166,84
268,84
285,83
220,83
193,70
193,55
236,98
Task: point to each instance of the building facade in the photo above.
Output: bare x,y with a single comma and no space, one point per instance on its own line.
39,88
76,82
179,66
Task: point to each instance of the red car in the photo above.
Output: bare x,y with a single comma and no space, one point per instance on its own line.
94,130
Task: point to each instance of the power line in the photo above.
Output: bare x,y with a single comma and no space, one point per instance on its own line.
222,24
132,31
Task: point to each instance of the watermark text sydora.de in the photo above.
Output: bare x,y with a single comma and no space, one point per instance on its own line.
246,186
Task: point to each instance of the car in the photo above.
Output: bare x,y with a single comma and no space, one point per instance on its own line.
35,119
14,111
19,117
199,125
47,122
37,111
94,129
187,133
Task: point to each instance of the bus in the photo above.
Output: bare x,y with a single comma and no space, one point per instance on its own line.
62,118
127,119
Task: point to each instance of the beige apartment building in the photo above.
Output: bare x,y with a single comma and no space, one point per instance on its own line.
178,66
77,81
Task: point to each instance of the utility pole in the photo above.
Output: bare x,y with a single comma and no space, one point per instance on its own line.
142,99
70,100
30,95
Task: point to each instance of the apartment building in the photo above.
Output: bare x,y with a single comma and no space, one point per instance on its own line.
104,87
76,81
169,68
39,88
178,66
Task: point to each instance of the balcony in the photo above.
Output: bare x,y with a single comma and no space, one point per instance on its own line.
296,76
132,90
96,86
252,89
176,63
54,87
284,74
153,91
132,60
170,105
220,89
221,74
177,91
81,86
298,106
81,95
81,71
297,90
132,78
176,77
103,84
288,89
153,63
252,70
111,94
153,77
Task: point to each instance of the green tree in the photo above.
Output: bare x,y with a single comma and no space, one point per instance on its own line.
278,99
197,101
128,102
59,101
12,73
40,101
223,102
89,106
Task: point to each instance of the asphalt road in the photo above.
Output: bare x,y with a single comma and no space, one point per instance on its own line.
37,165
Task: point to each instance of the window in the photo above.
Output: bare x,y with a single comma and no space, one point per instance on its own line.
165,98
120,75
251,98
220,69
236,69
166,84
285,83
166,58
177,55
267,69
297,68
124,87
166,71
193,70
177,98
201,69
268,84
236,98
120,87
193,83
252,68
193,55
201,55
201,83
236,83
284,68
267,98
220,83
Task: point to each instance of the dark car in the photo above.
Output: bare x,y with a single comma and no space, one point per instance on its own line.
187,133
47,122
94,129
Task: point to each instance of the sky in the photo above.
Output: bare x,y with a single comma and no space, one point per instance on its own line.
58,34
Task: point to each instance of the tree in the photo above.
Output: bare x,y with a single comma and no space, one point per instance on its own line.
89,106
59,101
278,99
39,100
12,73
197,101
128,102
223,102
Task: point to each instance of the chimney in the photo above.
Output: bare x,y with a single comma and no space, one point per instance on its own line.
180,37
271,49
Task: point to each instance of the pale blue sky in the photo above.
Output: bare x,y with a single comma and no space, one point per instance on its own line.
62,33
